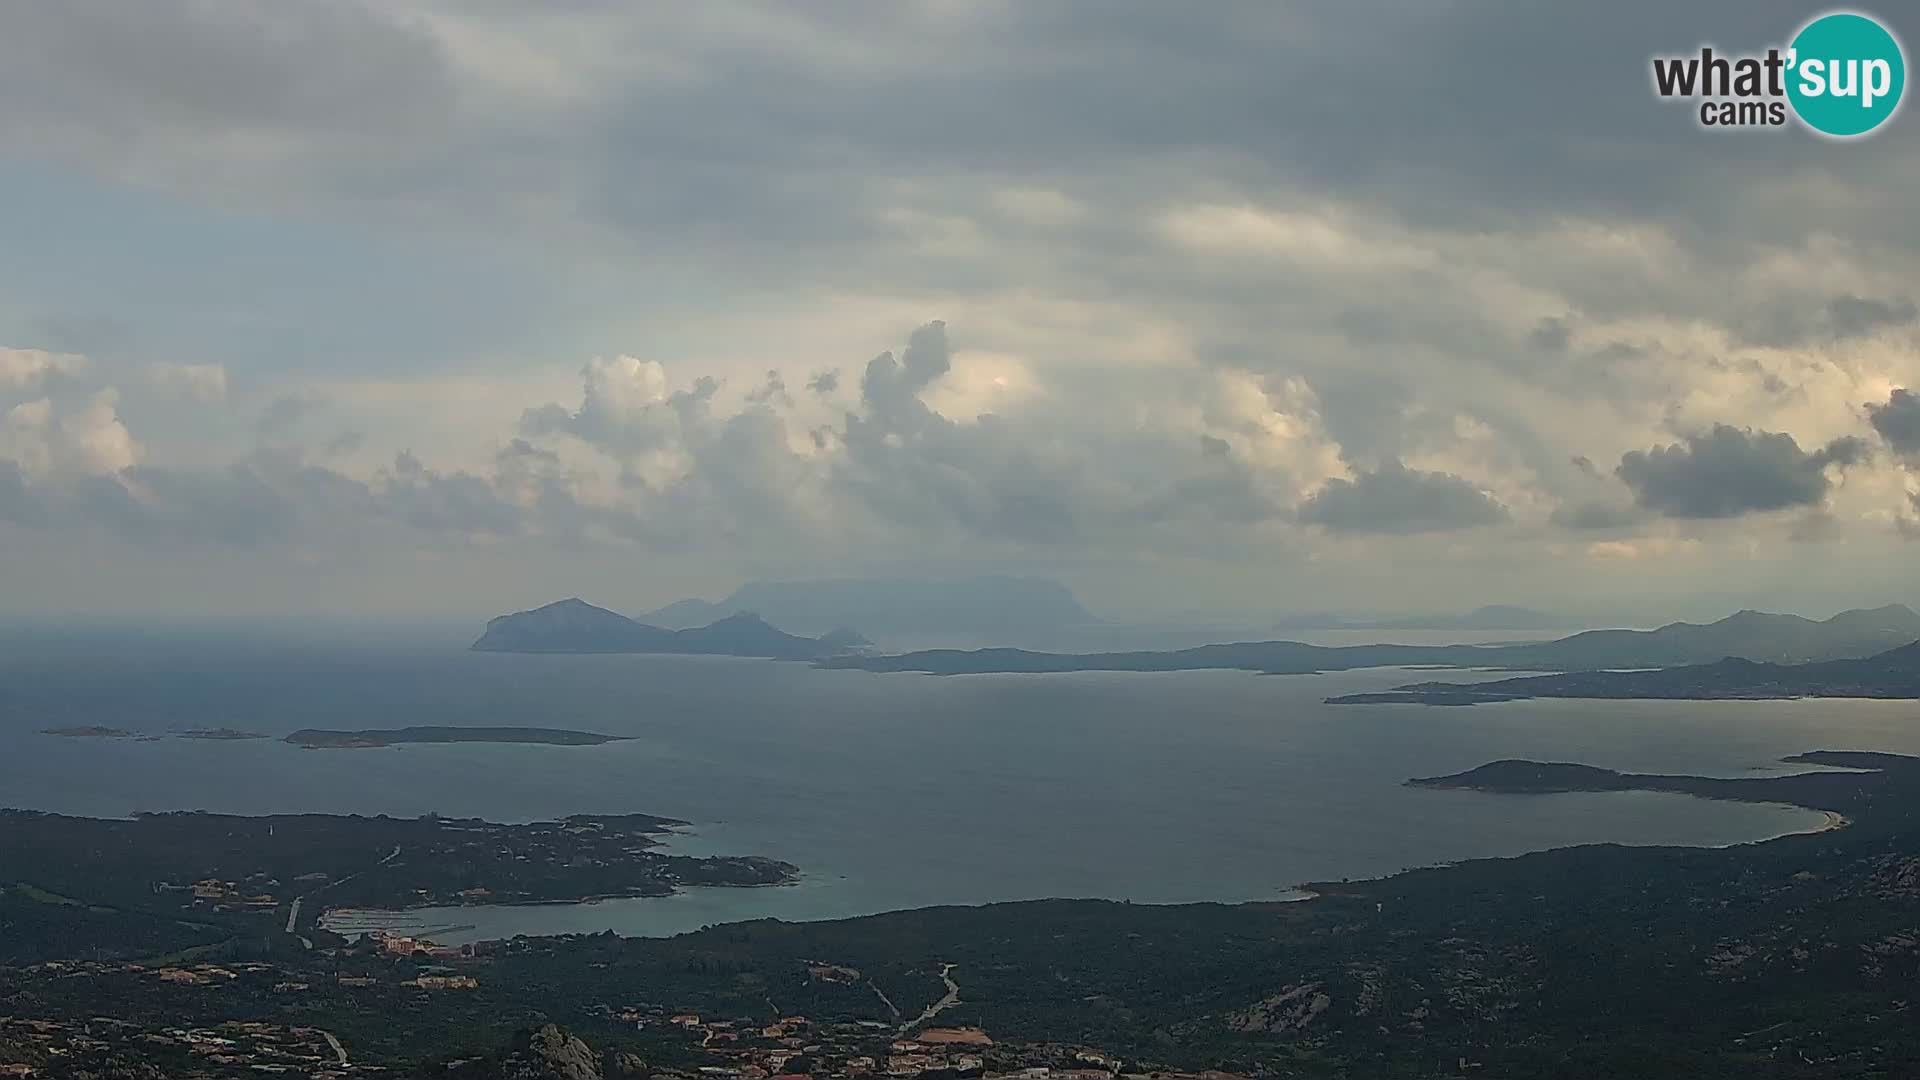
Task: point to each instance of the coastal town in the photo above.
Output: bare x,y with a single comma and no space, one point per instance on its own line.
662,1040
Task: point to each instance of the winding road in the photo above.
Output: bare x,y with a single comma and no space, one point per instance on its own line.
927,1014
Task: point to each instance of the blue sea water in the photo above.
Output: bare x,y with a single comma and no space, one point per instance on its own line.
889,791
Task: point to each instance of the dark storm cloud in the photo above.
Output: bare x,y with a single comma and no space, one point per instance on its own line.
1732,471
1545,115
1552,334
891,388
1396,499
773,390
233,506
446,503
96,71
1840,317
1898,421
1851,316
269,499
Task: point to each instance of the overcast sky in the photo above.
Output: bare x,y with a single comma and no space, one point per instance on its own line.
464,306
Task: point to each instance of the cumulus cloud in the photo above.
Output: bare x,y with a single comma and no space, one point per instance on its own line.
1396,499
1898,421
1729,471
89,439
26,369
891,388
625,407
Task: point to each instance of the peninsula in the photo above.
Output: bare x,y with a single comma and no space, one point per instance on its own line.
156,882
325,739
1892,674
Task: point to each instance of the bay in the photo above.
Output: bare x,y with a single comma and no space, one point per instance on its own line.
891,791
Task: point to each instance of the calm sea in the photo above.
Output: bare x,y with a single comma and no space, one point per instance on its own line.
890,791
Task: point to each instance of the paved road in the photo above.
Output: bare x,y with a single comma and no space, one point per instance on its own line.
935,1009
339,1050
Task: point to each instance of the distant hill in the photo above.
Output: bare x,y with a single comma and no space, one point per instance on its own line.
1891,674
575,626
1749,635
977,606
1489,617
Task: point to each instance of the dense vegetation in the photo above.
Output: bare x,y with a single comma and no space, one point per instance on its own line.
1792,958
155,882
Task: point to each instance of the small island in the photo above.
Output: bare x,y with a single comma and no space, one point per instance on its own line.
1850,780
328,739
88,731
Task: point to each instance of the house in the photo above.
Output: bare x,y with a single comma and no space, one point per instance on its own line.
446,982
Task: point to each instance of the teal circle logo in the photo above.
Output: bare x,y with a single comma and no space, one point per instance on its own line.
1846,74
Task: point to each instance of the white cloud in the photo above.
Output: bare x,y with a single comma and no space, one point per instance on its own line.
89,440
29,368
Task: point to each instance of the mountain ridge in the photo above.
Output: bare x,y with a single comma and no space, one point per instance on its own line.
1893,674
573,626
1748,634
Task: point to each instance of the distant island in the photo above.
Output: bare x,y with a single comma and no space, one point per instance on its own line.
1891,674
1856,778
324,739
980,608
1750,635
575,626
95,731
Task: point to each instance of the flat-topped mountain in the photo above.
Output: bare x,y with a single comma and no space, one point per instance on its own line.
980,607
1748,635
575,626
